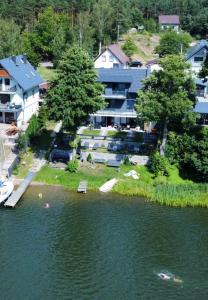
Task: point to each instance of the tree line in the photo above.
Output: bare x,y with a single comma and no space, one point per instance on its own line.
45,28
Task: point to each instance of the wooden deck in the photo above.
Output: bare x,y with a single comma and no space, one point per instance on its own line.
82,187
16,196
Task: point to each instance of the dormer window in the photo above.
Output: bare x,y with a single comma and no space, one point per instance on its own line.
111,58
198,58
103,58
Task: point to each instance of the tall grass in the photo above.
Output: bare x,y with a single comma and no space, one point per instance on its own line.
181,195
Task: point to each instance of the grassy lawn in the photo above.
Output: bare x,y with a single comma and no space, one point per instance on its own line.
47,74
171,190
91,132
117,134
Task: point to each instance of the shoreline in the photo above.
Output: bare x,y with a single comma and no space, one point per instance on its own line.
149,192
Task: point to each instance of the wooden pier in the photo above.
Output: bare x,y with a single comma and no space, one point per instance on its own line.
82,187
15,197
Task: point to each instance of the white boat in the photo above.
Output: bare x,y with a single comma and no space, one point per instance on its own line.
107,187
6,188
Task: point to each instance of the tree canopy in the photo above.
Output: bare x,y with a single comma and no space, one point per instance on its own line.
168,94
75,93
173,43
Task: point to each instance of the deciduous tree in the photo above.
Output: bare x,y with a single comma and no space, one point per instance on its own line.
167,95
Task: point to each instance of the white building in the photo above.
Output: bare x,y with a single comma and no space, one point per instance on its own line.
169,22
112,57
196,56
19,90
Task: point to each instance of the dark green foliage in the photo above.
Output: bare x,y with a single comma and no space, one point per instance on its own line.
173,43
89,158
22,142
75,93
33,129
42,117
159,164
190,152
72,166
129,48
127,161
204,71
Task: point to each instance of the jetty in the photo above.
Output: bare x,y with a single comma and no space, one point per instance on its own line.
16,196
82,188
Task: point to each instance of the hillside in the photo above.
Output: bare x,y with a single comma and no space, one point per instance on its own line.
146,44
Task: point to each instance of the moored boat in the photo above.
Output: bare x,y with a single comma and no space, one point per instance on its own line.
6,189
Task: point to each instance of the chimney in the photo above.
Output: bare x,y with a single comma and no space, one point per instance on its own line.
24,58
14,59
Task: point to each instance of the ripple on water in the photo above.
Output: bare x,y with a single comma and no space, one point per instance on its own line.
100,247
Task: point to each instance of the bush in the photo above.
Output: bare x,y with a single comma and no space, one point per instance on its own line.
73,166
22,142
127,161
129,47
159,164
89,158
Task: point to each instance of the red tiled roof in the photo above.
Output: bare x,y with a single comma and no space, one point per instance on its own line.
116,50
4,73
169,19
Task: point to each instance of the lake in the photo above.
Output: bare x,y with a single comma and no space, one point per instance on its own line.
97,246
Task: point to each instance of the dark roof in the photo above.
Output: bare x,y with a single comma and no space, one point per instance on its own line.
22,71
195,49
117,52
132,76
169,19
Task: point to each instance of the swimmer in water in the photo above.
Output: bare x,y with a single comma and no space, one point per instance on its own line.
164,276
46,205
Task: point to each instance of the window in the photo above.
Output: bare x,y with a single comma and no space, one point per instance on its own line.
33,93
103,58
7,81
198,58
25,95
130,104
116,65
111,58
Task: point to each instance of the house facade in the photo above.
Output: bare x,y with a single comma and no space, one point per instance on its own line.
201,106
19,90
121,87
169,22
111,57
196,56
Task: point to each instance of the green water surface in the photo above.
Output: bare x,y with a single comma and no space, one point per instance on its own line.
99,246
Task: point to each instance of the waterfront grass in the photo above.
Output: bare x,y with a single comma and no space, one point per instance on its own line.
171,191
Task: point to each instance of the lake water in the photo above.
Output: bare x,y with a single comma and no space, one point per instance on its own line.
101,247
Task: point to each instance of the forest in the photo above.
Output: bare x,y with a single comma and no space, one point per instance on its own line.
44,29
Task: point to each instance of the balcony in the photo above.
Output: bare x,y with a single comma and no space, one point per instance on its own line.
8,89
114,112
8,107
115,94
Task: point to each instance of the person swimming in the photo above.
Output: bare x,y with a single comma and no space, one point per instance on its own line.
46,205
164,276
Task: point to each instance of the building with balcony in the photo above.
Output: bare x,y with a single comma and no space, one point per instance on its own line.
120,91
112,57
19,90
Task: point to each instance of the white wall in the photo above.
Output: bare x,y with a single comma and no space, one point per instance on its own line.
196,66
109,58
30,104
174,27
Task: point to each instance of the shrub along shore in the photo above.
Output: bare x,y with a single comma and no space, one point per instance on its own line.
170,191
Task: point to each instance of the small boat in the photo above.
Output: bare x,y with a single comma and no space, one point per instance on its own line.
107,187
6,188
